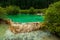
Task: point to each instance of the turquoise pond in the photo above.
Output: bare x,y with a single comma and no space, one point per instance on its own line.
23,18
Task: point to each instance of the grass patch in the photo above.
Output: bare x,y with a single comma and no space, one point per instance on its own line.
3,28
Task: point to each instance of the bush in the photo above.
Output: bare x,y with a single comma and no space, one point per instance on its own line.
2,13
43,10
53,18
24,11
31,10
12,10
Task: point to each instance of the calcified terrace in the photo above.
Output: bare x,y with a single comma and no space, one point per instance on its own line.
24,27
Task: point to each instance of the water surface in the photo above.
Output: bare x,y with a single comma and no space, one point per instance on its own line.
26,18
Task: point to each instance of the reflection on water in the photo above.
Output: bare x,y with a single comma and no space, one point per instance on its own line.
34,35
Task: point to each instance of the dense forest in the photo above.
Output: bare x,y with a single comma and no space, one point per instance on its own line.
26,4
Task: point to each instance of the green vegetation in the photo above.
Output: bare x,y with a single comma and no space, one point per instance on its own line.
3,28
24,11
26,4
53,18
12,10
31,10
2,13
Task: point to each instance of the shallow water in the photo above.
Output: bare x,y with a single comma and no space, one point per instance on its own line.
26,18
34,35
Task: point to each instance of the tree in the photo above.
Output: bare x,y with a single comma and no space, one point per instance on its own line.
31,10
26,4
12,10
53,18
2,13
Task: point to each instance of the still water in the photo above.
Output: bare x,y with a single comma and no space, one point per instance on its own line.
26,18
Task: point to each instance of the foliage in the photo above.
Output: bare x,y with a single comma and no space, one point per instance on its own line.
24,11
13,10
53,18
43,10
3,28
26,4
31,10
2,13
37,10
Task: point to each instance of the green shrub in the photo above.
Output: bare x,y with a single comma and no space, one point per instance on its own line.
12,10
37,10
43,10
31,10
2,13
24,11
53,18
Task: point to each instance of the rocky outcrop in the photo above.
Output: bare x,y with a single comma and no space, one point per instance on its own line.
24,27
